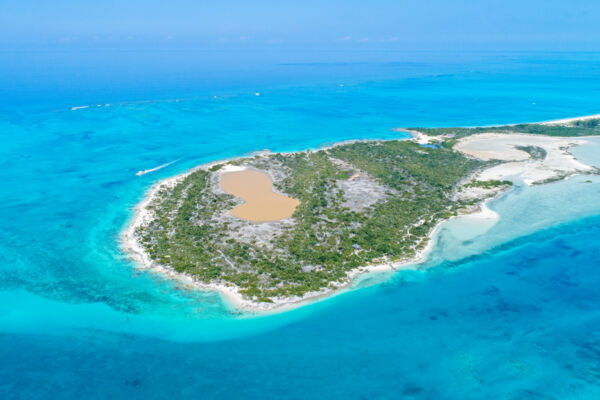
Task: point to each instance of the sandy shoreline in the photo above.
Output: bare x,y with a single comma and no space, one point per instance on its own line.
231,293
569,120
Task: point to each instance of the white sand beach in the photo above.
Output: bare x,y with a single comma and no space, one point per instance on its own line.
566,121
230,292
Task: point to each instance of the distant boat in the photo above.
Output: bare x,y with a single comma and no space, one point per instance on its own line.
146,171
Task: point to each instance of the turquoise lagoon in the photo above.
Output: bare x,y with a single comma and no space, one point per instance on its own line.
504,310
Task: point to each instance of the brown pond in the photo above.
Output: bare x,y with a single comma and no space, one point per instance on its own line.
261,203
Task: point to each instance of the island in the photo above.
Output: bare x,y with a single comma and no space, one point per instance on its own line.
272,230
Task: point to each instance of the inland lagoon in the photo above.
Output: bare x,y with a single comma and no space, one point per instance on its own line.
255,188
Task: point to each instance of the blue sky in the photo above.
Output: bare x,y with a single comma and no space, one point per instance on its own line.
348,24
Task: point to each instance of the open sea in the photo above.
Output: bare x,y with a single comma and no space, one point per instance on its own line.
503,311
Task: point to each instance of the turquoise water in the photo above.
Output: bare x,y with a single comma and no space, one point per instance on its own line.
508,311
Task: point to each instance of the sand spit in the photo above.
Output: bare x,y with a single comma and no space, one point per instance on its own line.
418,137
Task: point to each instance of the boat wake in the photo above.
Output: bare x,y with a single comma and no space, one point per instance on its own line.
147,171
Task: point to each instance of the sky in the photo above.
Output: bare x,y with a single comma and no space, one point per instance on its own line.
107,50
544,25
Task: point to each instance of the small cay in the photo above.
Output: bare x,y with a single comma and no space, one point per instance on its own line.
276,229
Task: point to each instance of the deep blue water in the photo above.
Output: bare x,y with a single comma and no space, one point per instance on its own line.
510,313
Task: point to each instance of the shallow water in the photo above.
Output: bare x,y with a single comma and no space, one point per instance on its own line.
509,310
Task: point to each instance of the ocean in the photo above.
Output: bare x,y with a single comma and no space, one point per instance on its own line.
509,311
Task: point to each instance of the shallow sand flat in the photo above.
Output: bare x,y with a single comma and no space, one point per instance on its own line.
499,146
261,203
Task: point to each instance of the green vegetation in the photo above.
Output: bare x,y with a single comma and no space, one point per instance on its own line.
536,152
488,184
216,167
589,123
590,127
333,231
